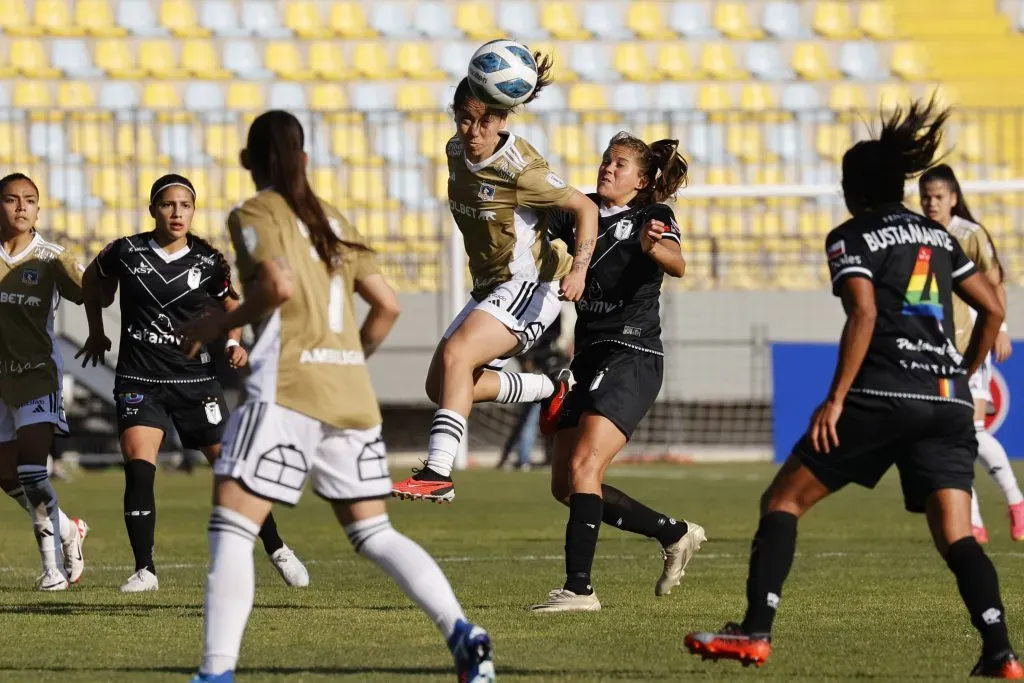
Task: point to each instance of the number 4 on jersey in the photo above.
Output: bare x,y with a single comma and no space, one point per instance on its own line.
922,295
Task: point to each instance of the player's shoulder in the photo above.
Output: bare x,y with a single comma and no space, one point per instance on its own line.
657,210
454,147
963,229
520,149
264,201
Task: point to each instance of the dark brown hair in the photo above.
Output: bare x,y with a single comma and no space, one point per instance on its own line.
11,177
274,147
465,92
874,171
943,173
174,180
660,162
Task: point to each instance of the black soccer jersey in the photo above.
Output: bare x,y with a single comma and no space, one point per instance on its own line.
160,292
913,263
621,301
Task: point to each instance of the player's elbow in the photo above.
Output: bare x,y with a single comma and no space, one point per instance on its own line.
279,291
677,268
388,307
995,310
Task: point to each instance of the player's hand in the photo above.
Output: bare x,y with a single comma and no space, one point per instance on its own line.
94,349
1002,349
200,331
823,426
237,356
651,234
572,285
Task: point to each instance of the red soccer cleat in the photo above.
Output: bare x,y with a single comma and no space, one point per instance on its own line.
729,643
551,407
419,487
1017,521
980,534
1005,666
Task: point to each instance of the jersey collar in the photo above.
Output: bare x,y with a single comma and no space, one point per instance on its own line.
510,140
21,254
168,258
605,211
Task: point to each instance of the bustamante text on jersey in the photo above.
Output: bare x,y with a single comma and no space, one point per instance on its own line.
884,238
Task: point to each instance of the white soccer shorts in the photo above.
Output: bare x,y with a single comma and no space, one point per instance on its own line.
525,308
45,409
981,380
273,450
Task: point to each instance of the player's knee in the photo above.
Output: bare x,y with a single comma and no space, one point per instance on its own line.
781,500
560,490
585,471
455,355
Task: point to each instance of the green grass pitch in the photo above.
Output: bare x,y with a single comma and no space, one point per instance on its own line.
868,597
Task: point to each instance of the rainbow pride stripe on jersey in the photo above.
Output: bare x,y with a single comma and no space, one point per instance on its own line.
947,389
922,295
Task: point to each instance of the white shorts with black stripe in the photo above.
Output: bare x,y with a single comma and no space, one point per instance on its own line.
45,409
273,450
525,308
981,381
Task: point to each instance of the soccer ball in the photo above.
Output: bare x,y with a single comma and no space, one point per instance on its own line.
503,73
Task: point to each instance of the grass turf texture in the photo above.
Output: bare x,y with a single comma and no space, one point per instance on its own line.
868,597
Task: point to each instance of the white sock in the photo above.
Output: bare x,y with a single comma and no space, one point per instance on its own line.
45,513
230,589
446,433
412,568
66,527
524,387
993,456
976,519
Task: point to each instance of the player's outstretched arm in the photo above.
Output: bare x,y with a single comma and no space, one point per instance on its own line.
97,293
859,303
980,295
384,311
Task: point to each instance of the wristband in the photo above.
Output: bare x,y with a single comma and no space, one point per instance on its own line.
1004,328
230,343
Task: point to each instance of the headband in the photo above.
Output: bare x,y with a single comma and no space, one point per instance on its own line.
156,193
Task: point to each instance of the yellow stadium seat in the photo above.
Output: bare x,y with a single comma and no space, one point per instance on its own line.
284,59
76,95
476,20
574,147
200,58
94,142
348,20
136,143
833,20
847,97
832,141
112,185
372,61
878,20
433,140
327,97
675,62
647,21
757,97
745,142
117,59
160,97
15,147
419,227
909,61
415,97
327,61
632,62
416,61
714,97
349,143
95,18
656,131
114,224
441,182
366,187
718,62
970,143
31,95
560,69
733,20
892,95
14,19
324,182
222,142
373,225
811,63
179,17
588,97
29,58
237,183
304,19
53,17
561,21
157,58
244,97
70,224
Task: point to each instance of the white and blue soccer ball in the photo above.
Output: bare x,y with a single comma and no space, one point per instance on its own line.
503,73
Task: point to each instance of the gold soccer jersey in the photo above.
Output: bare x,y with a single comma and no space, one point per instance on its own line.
975,244
499,205
31,284
307,356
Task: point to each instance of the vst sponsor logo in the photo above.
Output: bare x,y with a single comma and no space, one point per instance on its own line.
142,268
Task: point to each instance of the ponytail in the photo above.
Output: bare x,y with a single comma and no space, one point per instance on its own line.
222,262
660,162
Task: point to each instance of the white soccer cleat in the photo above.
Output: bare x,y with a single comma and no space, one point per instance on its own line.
290,567
74,562
562,600
140,582
52,580
677,556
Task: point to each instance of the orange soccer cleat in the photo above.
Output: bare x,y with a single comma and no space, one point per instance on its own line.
551,407
1005,665
425,485
730,643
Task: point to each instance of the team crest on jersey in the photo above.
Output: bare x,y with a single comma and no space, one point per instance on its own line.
194,277
623,229
486,192
213,415
30,276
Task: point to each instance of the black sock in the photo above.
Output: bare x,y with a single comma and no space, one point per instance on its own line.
268,534
140,511
581,541
771,556
631,515
427,474
979,587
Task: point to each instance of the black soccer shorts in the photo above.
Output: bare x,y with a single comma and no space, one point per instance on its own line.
197,409
932,444
615,381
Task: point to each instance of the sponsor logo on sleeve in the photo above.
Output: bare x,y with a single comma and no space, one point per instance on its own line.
555,181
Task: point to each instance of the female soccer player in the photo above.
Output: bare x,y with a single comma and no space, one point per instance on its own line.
899,394
618,364
310,411
167,276
34,276
942,200
498,189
